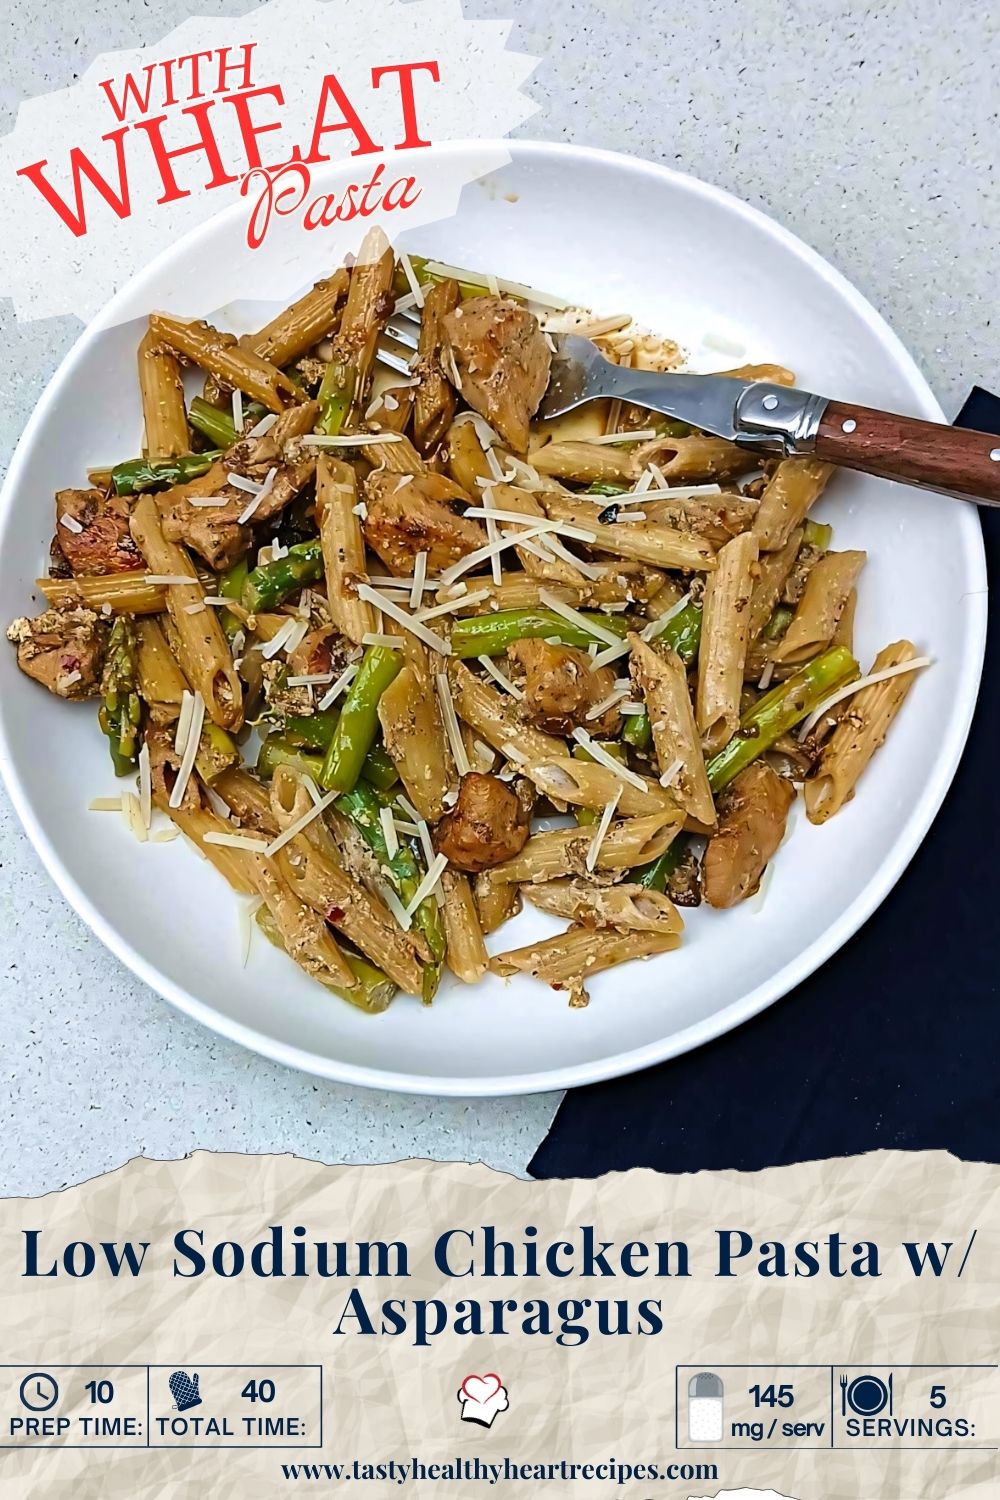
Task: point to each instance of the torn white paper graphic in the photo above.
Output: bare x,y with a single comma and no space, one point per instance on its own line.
313,116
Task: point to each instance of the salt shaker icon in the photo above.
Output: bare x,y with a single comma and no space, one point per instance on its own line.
705,1405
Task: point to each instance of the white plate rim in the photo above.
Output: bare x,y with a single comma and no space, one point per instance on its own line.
768,992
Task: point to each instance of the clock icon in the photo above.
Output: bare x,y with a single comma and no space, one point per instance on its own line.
39,1392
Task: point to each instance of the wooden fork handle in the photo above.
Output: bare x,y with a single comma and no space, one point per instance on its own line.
928,454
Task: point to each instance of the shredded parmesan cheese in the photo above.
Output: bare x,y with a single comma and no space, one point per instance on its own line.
238,412
428,883
70,523
451,725
396,906
236,841
601,831
589,627
765,677
191,743
419,578
183,722
105,804
170,580
408,621
603,758
241,482
346,677
411,276
294,829
389,831
606,703
246,910
640,435
451,605
350,440
500,677
259,429
855,687
671,773
657,627
145,786
379,638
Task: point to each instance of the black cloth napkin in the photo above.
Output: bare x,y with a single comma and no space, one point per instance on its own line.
891,1044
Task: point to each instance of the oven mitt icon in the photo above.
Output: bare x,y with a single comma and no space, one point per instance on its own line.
184,1389
482,1397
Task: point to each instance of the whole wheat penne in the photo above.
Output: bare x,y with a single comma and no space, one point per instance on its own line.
773,569
496,901
563,851
627,908
827,589
794,486
410,715
773,374
223,356
715,517
863,726
466,461
369,303
205,657
661,681
313,316
568,960
620,583
305,935
494,716
844,633
249,798
551,569
585,783
401,458
466,954
394,410
123,593
694,458
724,635
645,541
195,822
434,398
586,463
343,547
164,414
161,682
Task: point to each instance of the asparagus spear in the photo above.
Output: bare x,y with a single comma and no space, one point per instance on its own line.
336,392
655,875
315,731
121,707
137,475
362,806
213,422
358,723
779,711
268,585
231,587
490,635
374,990
378,770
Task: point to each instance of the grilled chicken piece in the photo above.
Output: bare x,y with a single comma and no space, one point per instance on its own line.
63,649
434,399
560,688
488,824
502,362
105,543
754,812
215,532
408,514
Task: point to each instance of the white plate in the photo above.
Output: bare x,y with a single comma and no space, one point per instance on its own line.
612,233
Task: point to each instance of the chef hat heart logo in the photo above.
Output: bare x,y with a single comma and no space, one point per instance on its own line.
482,1398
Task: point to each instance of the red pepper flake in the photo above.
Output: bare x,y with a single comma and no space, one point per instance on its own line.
335,914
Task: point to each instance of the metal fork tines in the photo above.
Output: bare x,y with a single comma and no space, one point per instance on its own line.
402,329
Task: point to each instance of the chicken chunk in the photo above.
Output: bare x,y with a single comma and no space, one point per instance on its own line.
63,649
103,544
502,361
411,514
488,824
215,532
560,688
753,816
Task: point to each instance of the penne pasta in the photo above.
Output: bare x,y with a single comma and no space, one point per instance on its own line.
773,569
295,330
585,783
567,960
204,654
828,588
413,732
343,547
195,822
724,637
494,716
466,956
661,682
161,390
496,901
563,851
861,730
225,358
627,908
794,487
122,593
661,546
366,311
434,400
161,682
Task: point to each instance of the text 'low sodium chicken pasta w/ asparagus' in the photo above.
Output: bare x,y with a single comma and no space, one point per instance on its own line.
397,656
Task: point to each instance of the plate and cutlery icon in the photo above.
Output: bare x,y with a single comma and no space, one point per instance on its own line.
865,1395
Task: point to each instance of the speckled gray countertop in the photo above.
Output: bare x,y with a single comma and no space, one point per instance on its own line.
870,130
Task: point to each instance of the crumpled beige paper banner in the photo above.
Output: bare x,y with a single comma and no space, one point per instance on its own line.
474,95
611,1398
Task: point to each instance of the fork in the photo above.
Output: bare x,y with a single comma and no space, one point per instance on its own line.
402,328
